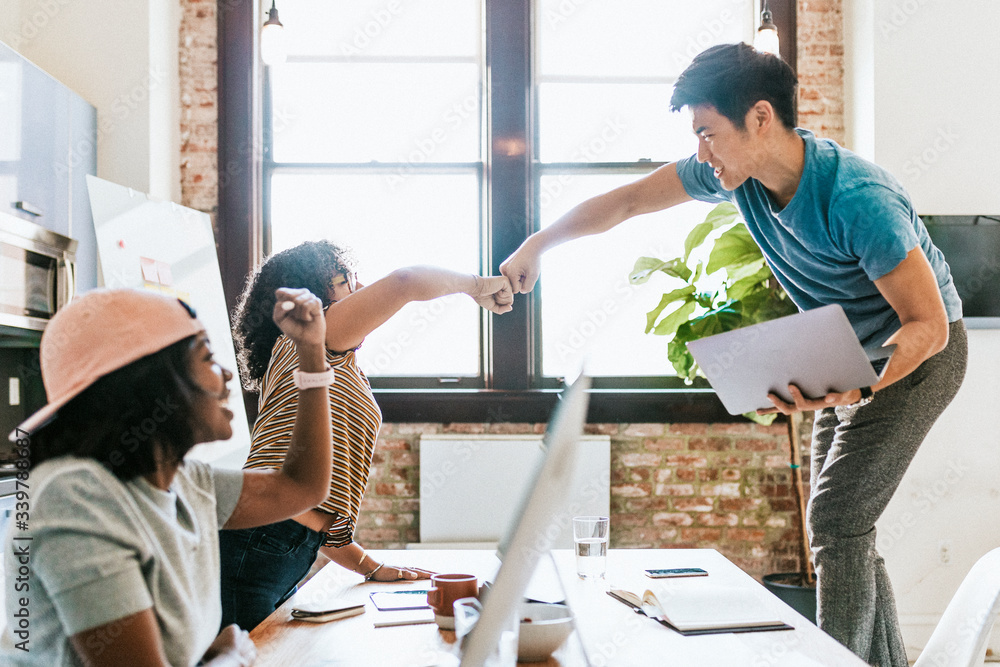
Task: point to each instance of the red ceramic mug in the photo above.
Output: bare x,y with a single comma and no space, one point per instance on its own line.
445,589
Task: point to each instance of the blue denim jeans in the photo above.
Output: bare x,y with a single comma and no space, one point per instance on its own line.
261,568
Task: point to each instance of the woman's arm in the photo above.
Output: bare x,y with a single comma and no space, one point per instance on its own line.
354,558
136,641
350,320
304,478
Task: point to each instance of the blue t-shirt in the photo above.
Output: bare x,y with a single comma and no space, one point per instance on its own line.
849,223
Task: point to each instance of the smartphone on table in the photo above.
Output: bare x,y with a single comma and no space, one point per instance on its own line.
676,572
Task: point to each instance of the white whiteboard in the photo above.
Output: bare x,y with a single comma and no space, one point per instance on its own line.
167,248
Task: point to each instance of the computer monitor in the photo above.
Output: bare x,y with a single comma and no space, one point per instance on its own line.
543,513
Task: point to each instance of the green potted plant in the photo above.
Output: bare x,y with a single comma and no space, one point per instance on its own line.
708,303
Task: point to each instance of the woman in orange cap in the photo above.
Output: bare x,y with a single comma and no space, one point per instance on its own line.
119,547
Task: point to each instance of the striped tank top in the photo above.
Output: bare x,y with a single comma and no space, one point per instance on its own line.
356,419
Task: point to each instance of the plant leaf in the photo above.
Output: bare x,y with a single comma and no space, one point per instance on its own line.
668,325
740,272
666,300
647,266
744,286
721,215
733,249
761,419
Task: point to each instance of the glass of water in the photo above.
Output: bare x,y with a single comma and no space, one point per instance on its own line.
590,533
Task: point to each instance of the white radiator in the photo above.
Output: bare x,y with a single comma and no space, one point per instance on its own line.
471,486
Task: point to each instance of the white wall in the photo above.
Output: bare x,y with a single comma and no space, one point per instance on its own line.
931,66
121,56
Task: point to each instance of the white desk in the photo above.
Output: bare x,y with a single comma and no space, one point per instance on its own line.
612,634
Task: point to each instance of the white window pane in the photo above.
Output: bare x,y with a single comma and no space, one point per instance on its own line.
381,27
606,122
392,223
616,38
389,112
591,314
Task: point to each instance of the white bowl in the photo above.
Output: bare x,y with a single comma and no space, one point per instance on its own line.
543,628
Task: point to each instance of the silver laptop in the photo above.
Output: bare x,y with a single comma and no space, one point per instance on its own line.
816,350
544,507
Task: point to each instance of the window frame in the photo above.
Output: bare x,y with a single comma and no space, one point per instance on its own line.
512,391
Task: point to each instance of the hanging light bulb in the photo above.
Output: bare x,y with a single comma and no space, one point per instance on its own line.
272,39
767,34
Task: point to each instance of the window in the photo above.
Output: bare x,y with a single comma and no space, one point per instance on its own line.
444,133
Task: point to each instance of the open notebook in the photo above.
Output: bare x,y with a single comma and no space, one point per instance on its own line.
701,608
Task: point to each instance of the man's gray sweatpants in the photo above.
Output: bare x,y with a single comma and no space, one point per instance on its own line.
859,456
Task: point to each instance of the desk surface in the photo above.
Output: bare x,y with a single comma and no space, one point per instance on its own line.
612,634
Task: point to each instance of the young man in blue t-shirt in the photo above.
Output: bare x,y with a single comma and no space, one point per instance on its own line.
834,228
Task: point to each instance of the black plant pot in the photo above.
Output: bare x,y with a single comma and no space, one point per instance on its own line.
789,589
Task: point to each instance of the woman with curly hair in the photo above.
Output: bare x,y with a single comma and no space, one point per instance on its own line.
261,567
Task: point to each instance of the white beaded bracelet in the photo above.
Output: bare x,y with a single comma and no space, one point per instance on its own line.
313,380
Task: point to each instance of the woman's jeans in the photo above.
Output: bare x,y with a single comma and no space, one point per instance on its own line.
261,568
859,456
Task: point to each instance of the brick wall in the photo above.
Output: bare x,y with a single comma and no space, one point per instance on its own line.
199,106
724,486
727,486
821,67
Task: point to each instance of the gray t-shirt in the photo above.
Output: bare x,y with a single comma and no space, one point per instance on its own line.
102,550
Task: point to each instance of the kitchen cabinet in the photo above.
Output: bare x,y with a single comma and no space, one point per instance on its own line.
48,144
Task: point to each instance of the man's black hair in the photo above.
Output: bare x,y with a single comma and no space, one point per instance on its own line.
732,78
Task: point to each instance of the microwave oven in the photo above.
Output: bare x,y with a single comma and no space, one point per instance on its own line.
37,275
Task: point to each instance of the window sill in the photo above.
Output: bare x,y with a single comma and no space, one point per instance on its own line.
534,406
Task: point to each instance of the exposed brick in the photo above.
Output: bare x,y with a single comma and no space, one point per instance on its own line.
664,475
731,474
665,444
687,460
641,459
759,445
647,430
393,444
647,504
699,504
702,535
511,428
633,519
601,429
416,428
396,489
735,428
408,505
689,429
455,427
405,459
373,504
686,474
400,519
708,475
674,490
639,474
715,519
710,444
727,489
672,519
746,534
630,490
739,504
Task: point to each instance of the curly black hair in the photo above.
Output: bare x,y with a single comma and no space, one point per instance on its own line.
122,418
312,265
